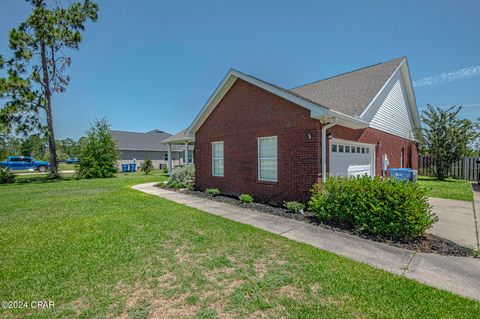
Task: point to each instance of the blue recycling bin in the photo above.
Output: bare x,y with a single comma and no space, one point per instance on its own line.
133,167
124,168
404,174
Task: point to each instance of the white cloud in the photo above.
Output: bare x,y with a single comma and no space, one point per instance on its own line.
451,76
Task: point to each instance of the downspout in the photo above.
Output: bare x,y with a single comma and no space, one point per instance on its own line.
324,147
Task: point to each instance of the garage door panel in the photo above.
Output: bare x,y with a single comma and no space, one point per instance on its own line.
348,159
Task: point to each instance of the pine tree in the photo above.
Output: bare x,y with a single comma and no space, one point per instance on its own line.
38,66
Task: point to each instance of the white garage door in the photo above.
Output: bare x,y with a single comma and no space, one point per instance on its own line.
351,159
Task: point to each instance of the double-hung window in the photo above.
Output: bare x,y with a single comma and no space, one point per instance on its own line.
217,158
267,158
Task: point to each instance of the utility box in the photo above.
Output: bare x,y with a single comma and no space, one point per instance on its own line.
404,174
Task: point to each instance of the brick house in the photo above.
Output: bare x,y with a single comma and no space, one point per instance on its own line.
257,138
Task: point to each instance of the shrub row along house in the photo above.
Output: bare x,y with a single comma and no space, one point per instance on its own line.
258,138
137,146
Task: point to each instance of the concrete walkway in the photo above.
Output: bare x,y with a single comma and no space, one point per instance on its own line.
460,275
456,221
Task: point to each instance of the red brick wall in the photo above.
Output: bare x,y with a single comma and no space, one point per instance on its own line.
244,114
389,144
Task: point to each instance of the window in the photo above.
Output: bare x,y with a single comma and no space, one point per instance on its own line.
166,157
347,149
363,150
334,148
358,149
353,149
26,160
367,150
267,158
340,148
217,158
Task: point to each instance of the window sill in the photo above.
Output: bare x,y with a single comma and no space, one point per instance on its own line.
261,181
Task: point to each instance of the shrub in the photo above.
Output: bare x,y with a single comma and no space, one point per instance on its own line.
185,175
391,209
176,184
212,192
6,177
146,166
98,154
294,206
245,198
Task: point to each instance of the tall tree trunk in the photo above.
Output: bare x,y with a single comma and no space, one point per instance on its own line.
48,110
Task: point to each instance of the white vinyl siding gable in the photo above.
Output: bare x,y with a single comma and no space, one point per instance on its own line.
217,159
267,158
390,111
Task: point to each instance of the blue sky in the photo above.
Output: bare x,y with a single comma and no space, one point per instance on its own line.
153,64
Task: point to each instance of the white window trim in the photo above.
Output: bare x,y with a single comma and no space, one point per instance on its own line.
266,158
218,158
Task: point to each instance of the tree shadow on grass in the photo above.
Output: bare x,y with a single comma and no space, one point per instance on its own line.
40,179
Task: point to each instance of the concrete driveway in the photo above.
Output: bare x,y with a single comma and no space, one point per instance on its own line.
457,220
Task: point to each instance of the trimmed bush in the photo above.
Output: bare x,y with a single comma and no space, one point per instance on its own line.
294,206
6,177
390,209
245,198
212,192
176,184
146,166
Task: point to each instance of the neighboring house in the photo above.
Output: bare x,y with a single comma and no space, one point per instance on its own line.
257,138
141,146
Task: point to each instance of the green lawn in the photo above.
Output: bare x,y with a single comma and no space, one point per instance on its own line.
66,167
99,249
449,188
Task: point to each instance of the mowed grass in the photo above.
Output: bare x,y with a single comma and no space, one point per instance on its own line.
450,188
66,167
98,249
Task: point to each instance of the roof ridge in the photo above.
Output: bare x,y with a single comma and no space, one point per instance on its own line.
341,74
136,132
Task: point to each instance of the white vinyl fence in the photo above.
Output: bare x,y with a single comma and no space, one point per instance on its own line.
466,168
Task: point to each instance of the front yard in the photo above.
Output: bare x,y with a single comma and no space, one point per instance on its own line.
450,188
97,248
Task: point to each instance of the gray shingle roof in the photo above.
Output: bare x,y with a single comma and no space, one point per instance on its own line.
137,141
349,93
179,137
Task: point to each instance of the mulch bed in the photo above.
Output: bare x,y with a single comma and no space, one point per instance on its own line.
426,244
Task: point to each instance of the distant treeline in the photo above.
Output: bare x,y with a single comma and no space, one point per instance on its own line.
36,145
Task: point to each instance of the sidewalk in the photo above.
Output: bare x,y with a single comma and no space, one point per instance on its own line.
460,275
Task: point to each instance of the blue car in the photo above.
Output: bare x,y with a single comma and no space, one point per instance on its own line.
18,163
72,160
